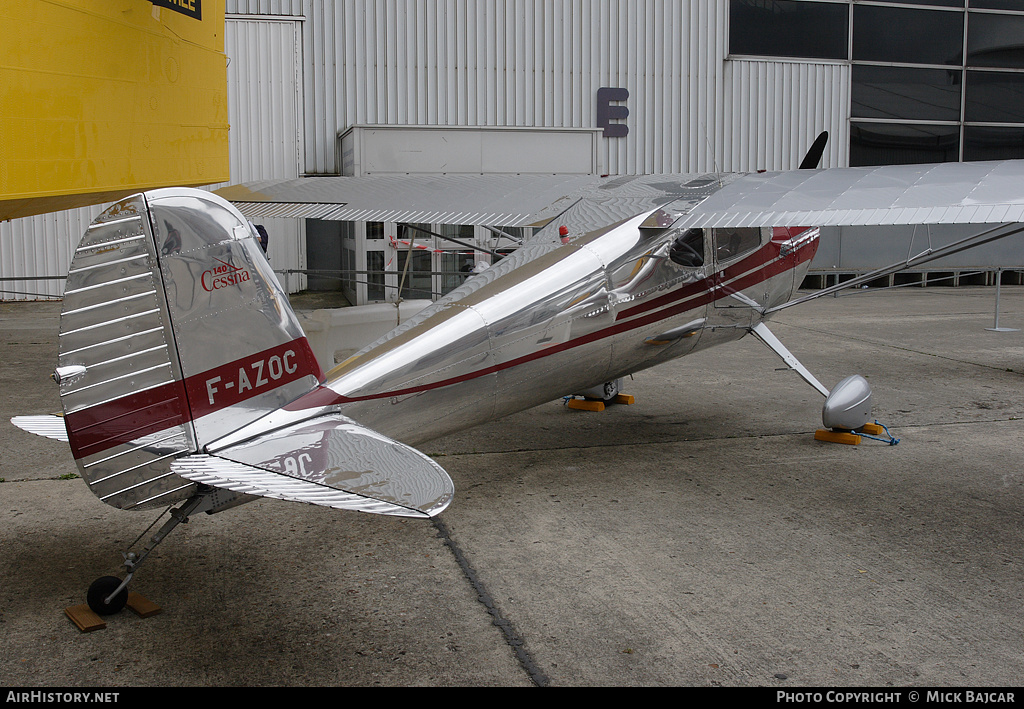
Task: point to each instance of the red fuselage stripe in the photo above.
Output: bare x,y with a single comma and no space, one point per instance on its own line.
113,423
246,377
766,262
759,258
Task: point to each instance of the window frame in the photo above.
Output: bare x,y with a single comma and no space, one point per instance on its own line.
966,68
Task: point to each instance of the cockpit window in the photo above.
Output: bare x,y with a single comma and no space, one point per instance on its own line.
730,243
688,248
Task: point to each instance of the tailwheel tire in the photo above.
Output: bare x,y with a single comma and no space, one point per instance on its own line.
98,592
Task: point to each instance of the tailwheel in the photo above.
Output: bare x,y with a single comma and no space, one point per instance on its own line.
107,595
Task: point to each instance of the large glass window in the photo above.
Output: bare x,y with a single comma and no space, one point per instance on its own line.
789,28
443,257
995,40
900,34
456,267
994,97
915,96
899,92
938,3
997,4
993,142
462,232
348,271
902,143
375,276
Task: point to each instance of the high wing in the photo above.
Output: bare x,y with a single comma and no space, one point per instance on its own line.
493,200
581,202
946,193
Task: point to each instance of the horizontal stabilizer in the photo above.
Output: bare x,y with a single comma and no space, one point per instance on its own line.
245,479
329,461
49,426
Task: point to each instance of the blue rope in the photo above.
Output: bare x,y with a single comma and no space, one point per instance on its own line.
892,441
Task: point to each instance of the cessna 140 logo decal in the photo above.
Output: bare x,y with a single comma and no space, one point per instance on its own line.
223,276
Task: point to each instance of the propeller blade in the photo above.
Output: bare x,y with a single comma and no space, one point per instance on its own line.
813,157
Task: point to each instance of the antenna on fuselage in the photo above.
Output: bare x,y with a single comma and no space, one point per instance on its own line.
711,150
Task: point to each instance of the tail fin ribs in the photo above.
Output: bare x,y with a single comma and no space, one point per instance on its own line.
177,333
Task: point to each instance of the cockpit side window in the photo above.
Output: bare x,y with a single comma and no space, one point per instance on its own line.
730,243
688,248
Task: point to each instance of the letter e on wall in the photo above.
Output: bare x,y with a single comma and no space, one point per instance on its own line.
606,112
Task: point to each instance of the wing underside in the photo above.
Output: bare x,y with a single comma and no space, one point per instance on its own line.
492,200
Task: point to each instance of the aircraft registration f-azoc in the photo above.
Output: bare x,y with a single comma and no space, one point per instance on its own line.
185,378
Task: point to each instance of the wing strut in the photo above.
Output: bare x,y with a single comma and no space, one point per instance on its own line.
761,332
847,407
924,257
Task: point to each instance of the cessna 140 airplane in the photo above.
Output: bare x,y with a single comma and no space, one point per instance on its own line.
185,377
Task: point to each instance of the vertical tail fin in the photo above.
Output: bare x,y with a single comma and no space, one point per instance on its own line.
174,332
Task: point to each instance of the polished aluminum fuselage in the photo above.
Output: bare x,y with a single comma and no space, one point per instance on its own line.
176,340
551,321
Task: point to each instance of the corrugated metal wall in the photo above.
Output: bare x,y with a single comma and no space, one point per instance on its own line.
540,63
264,7
264,98
40,247
774,109
520,63
265,112
535,63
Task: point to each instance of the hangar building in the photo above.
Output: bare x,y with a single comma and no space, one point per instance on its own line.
360,87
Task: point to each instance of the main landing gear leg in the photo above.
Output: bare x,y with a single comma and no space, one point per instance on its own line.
109,594
847,407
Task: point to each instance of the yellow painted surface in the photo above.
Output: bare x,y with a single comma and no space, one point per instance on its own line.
102,98
837,437
872,429
585,405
